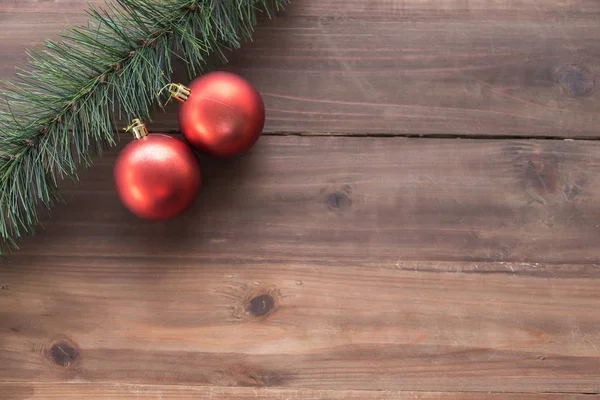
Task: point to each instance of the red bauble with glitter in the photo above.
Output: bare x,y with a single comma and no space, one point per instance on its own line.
222,114
156,176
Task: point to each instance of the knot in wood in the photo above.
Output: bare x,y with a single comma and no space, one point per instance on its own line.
258,303
63,353
576,80
261,305
339,201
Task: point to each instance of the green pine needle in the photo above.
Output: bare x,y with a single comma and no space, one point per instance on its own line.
63,107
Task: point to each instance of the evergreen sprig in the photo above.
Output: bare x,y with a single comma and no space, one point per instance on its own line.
63,105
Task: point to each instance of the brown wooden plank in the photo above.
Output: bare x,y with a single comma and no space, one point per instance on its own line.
355,199
444,9
423,77
326,263
376,10
48,7
185,321
403,67
21,32
78,391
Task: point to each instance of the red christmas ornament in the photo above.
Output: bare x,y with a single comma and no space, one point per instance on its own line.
222,114
156,176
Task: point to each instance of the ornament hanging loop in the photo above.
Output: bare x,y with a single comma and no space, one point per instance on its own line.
138,129
177,91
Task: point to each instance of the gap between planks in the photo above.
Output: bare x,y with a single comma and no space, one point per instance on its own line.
106,391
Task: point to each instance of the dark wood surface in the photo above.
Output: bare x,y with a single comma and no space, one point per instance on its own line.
328,262
393,67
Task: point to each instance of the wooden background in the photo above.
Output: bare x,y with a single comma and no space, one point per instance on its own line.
420,220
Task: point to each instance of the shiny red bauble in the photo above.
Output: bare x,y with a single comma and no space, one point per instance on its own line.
223,116
157,176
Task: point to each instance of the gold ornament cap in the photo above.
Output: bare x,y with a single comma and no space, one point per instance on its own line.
138,129
178,91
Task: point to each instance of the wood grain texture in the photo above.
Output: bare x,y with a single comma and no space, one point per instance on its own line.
399,67
79,391
355,199
325,263
334,267
198,323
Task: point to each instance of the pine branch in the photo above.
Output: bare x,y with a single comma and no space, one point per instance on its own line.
63,106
